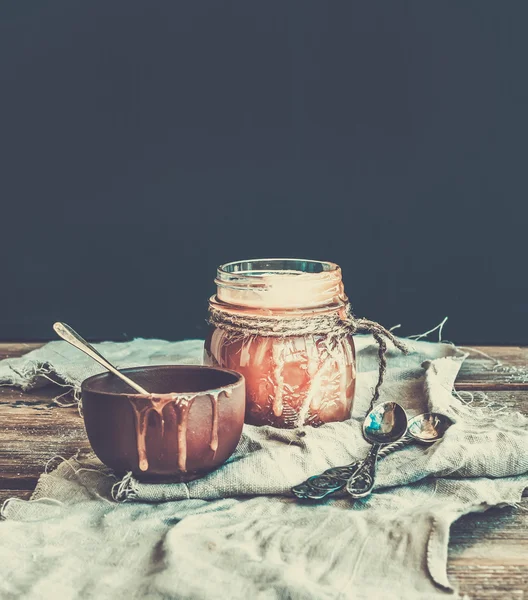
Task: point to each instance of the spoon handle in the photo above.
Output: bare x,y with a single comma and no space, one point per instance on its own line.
361,481
72,337
334,479
318,487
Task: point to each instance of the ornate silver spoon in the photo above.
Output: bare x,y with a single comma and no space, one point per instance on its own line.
319,486
383,425
426,428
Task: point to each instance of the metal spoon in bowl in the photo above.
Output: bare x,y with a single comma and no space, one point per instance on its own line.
72,337
426,428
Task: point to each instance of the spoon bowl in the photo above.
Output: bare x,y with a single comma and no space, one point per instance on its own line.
428,427
385,424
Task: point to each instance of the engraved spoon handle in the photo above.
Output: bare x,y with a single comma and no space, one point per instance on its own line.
72,337
361,482
332,480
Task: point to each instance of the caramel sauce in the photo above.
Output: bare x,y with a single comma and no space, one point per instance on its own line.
290,382
181,404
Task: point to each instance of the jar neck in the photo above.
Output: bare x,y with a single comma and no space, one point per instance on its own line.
279,285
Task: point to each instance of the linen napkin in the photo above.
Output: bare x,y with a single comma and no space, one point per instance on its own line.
238,533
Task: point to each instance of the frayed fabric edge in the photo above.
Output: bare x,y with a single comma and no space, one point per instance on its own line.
438,542
4,516
57,461
35,497
125,489
37,374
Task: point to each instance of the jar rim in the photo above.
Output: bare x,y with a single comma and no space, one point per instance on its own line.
280,283
260,267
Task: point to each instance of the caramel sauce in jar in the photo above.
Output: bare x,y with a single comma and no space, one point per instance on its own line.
297,372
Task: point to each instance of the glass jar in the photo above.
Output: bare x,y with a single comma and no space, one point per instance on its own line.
280,322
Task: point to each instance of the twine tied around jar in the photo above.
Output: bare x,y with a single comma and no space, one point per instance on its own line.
332,325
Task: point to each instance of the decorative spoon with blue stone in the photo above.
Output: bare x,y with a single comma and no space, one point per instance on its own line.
426,428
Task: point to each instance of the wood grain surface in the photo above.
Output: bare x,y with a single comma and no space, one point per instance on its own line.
488,553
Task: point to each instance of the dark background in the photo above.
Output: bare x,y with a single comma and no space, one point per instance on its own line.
144,143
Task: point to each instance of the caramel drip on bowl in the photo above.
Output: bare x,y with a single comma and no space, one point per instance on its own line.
181,406
141,426
213,444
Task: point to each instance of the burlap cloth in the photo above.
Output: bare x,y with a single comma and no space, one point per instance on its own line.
237,533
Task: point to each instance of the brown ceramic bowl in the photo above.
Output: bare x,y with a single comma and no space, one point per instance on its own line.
189,425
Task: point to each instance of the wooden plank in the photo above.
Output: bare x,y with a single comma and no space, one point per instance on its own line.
15,349
506,368
21,494
479,536
34,429
497,400
39,399
489,582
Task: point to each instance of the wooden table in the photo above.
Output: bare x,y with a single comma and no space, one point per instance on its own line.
488,557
